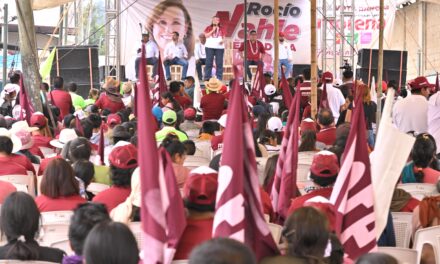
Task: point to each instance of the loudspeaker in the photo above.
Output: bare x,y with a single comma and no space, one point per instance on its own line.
299,68
112,73
387,75
74,66
391,59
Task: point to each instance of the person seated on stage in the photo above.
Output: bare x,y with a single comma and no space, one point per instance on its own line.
178,92
123,161
213,103
200,55
169,119
151,54
255,52
323,172
327,134
199,193
222,250
77,100
20,223
61,98
84,218
59,188
175,54
111,99
177,152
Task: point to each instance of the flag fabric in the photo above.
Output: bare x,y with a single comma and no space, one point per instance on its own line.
388,158
239,212
373,91
101,145
353,191
26,108
79,126
162,212
160,85
284,187
46,66
258,84
287,95
437,84
323,102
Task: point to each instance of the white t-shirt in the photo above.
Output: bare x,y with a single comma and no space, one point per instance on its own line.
335,100
175,50
411,114
434,118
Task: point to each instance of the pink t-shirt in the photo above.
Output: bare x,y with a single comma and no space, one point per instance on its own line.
181,174
430,176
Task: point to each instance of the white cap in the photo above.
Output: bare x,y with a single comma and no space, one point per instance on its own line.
222,120
270,89
275,124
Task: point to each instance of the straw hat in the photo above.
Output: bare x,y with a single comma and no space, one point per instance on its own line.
111,86
213,84
66,135
16,142
22,125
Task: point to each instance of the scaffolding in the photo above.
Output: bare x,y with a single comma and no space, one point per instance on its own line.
112,44
337,34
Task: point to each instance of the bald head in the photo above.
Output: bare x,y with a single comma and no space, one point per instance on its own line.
325,118
202,38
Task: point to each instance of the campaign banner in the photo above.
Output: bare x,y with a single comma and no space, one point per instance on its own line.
191,17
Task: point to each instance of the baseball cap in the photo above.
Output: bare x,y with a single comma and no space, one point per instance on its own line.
222,120
327,77
307,124
189,113
169,117
325,164
275,124
419,83
124,157
201,186
25,137
270,89
281,34
113,119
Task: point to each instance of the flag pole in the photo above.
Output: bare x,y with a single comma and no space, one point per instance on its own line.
245,43
380,64
276,42
313,62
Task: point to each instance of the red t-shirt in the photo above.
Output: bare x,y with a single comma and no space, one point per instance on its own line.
68,203
40,141
254,50
220,31
196,232
430,176
9,167
45,162
23,161
6,189
327,136
298,202
212,105
112,197
62,100
306,91
215,141
105,103
184,101
410,205
266,202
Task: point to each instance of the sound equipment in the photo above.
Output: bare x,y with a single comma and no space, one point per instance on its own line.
387,75
391,59
299,68
74,64
112,73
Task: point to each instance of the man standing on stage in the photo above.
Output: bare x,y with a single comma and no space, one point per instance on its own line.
255,52
285,57
200,55
151,54
175,54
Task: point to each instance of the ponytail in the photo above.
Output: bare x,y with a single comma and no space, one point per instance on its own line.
23,249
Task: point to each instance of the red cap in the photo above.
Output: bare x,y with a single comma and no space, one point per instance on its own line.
113,120
189,113
325,164
384,86
419,83
37,120
201,186
124,157
281,34
324,205
327,77
308,124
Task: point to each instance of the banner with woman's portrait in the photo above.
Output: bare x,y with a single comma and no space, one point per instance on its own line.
190,17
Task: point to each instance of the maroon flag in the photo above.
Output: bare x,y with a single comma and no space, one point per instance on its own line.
437,84
287,95
101,144
239,212
353,191
162,212
26,109
160,85
284,187
323,102
259,83
79,126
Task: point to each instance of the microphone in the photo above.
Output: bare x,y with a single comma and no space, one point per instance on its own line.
140,26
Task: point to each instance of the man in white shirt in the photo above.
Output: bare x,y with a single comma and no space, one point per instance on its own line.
285,56
200,55
151,54
411,113
334,96
175,54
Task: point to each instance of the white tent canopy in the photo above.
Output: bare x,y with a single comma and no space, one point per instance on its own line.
43,4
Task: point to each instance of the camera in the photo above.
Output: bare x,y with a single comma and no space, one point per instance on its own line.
346,66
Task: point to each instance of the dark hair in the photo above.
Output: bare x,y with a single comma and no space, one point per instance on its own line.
111,243
306,232
84,218
79,149
176,33
325,117
258,152
3,122
323,181
121,177
120,133
6,145
58,82
307,74
67,121
262,123
215,162
347,74
20,217
14,78
134,139
190,147
59,180
269,170
174,87
124,114
423,153
222,250
190,78
308,141
376,258
44,86
170,97
87,128
174,147
131,127
208,127
266,136
65,151
95,119
85,170
72,87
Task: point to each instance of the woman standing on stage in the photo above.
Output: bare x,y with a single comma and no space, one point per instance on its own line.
214,47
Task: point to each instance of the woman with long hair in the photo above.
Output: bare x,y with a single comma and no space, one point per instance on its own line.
215,48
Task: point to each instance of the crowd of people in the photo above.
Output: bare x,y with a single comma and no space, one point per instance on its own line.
76,141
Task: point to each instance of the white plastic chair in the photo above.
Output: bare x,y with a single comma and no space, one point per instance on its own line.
96,188
47,152
203,148
403,228
431,236
302,172
275,230
136,229
181,261
55,235
56,217
403,255
419,190
21,179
